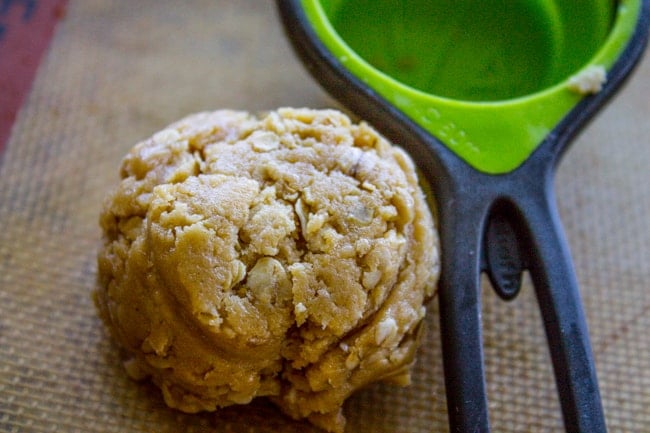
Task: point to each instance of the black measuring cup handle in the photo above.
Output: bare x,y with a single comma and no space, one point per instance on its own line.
522,202
461,231
556,287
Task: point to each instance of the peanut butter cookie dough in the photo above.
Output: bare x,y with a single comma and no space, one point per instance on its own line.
288,256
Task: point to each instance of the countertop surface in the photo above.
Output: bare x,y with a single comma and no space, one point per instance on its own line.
116,72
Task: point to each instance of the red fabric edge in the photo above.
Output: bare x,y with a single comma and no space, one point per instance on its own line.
26,29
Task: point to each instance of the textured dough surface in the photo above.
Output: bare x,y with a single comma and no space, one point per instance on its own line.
287,256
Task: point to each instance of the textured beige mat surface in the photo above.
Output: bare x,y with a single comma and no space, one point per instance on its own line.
118,71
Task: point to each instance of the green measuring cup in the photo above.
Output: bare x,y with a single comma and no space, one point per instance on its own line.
485,96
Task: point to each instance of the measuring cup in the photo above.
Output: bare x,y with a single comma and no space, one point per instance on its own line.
485,96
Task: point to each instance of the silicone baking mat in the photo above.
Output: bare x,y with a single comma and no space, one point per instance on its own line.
117,71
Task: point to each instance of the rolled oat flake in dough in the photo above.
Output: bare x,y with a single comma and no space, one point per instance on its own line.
288,255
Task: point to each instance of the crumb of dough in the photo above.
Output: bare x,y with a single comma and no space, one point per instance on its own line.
287,256
588,81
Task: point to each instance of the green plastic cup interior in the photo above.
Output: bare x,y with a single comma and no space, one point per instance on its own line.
488,78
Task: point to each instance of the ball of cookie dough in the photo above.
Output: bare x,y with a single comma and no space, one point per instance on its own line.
288,256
